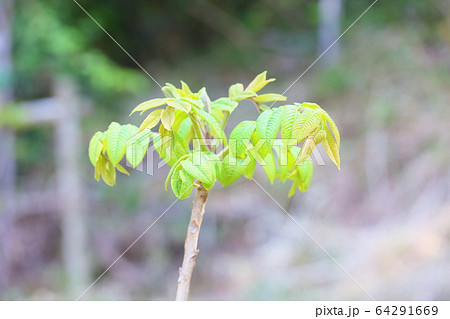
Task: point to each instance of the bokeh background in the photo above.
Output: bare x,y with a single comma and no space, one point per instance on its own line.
385,216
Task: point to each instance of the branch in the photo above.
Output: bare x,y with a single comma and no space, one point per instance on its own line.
190,245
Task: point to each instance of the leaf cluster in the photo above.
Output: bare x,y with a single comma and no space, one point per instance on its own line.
187,127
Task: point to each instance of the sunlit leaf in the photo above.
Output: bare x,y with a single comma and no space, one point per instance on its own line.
116,140
263,98
259,82
305,123
95,147
240,136
151,120
149,105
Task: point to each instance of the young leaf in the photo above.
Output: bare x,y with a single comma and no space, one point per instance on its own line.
185,88
330,146
174,168
319,137
107,172
305,123
137,147
215,161
286,162
200,168
121,169
116,140
263,98
240,136
170,146
151,120
184,129
232,169
309,105
149,105
180,104
193,101
224,104
95,147
267,126
244,95
168,117
287,121
250,167
259,82
182,184
170,91
333,127
305,172
235,90
212,122
204,97
306,150
292,189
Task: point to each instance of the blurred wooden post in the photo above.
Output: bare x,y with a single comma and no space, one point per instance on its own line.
7,162
329,29
71,194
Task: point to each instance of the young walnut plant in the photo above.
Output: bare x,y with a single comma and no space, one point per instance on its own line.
192,129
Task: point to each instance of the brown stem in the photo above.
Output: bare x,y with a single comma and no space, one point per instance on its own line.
190,245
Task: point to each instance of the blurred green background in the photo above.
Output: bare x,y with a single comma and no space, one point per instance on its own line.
385,216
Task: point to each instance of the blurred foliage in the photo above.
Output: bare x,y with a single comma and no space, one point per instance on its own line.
46,46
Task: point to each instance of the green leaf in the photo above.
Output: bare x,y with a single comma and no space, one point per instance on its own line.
204,97
305,124
121,169
214,125
259,82
185,129
263,98
309,105
224,104
250,167
137,147
151,120
149,105
180,104
215,161
332,149
319,137
292,189
95,147
235,90
267,127
170,146
333,127
287,121
240,136
175,166
168,117
200,168
305,172
170,91
244,95
269,168
116,140
193,101
185,88
232,169
107,171
306,150
286,162
182,184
